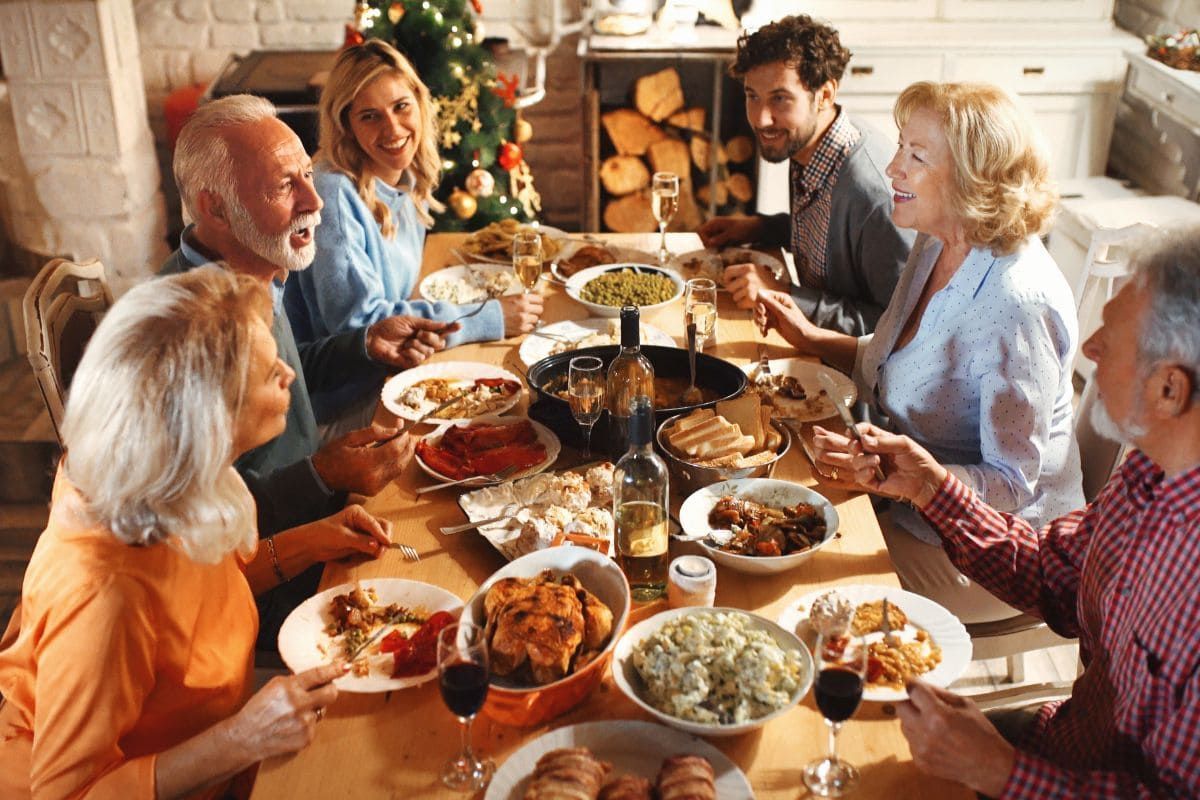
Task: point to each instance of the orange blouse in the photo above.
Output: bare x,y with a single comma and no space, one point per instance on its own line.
123,652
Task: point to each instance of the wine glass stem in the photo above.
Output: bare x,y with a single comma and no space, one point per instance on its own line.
467,755
662,243
834,727
587,442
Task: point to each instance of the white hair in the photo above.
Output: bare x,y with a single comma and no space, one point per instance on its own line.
1169,270
150,414
202,158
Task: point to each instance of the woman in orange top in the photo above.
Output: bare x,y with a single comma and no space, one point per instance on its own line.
130,673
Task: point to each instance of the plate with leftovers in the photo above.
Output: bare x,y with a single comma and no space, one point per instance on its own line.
927,641
590,332
469,283
712,671
795,390
493,243
604,290
640,757
485,389
546,510
487,445
580,254
712,263
403,617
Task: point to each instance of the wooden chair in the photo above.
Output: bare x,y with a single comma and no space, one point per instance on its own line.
62,306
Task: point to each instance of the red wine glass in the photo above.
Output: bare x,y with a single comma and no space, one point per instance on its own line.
841,663
462,660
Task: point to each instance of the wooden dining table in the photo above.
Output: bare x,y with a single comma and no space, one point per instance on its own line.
393,745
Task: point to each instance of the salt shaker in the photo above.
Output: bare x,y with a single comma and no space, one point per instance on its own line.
691,581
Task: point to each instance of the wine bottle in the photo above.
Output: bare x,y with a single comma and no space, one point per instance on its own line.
640,485
630,375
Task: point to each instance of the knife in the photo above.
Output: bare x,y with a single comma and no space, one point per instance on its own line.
442,406
839,402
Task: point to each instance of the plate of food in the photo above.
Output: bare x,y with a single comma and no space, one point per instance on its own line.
469,283
927,642
590,332
637,757
604,290
795,391
740,670
711,264
386,627
546,510
482,389
493,244
758,525
580,254
485,446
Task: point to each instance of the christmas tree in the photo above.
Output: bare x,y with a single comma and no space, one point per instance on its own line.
485,177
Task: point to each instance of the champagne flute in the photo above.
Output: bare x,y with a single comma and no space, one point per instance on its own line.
462,660
700,307
664,201
585,388
527,258
841,663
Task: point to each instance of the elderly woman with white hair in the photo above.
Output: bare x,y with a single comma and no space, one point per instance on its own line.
130,673
972,357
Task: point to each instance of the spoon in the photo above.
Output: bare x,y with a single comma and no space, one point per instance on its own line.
691,395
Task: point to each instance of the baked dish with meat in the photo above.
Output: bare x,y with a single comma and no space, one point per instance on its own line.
894,659
468,451
763,530
576,773
479,396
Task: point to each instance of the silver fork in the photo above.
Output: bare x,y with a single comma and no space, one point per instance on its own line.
498,475
452,529
477,309
762,377
408,551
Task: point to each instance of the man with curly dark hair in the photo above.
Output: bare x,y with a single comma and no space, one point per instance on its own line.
848,251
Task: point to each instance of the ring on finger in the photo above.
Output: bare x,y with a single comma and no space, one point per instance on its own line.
833,473
320,714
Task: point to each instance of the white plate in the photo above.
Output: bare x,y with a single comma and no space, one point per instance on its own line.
303,643
621,254
814,407
947,632
535,348
633,748
557,234
580,279
693,517
544,435
712,263
465,371
428,288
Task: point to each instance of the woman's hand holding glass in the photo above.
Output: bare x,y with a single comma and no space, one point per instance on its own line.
585,389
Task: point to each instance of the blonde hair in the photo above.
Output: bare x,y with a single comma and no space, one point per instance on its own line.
203,161
150,414
355,68
1002,189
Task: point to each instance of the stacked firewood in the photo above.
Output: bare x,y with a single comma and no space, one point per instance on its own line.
661,134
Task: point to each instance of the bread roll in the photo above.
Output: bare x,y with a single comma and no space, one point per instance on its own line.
686,778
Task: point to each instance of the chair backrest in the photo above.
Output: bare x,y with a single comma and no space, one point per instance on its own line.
62,306
1098,456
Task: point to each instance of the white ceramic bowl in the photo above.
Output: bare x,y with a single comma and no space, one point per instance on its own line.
580,279
630,682
693,517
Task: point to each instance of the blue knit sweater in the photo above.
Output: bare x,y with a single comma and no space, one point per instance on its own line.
358,277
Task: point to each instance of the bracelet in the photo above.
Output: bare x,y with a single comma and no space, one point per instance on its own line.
275,559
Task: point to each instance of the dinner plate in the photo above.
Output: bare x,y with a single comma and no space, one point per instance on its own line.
535,348
815,407
633,747
711,264
621,254
465,371
947,632
544,435
435,286
559,235
304,644
579,280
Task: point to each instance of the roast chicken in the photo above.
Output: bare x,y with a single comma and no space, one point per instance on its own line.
569,773
542,629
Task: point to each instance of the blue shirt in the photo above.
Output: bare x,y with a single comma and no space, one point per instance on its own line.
985,383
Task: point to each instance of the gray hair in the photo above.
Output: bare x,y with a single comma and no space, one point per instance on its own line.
202,158
1170,271
150,415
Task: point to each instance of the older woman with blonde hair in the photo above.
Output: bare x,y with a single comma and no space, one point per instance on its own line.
376,170
131,668
972,357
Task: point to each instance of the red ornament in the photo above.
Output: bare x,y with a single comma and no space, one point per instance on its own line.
353,37
507,90
510,155
477,5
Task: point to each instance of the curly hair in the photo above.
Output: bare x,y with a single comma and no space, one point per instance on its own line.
810,47
1002,190
354,69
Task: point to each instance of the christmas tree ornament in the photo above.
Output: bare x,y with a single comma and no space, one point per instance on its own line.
396,12
353,37
463,204
507,90
522,131
510,155
480,183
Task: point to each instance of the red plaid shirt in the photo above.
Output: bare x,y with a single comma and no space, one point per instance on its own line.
1124,576
812,199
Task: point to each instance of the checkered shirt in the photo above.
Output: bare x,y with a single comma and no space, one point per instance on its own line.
812,199
1124,576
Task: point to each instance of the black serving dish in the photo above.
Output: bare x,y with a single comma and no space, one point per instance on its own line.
712,373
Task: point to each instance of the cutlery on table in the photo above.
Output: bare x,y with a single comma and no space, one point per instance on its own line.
839,402
408,551
474,480
440,407
762,376
476,310
555,337
466,526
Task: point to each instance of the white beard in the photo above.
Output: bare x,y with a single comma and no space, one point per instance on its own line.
275,249
1103,424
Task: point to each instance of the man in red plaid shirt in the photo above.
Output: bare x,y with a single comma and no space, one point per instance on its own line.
1123,574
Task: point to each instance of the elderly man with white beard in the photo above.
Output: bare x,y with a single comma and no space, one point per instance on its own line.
1122,574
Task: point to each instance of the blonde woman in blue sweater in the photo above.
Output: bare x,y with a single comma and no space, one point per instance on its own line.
376,170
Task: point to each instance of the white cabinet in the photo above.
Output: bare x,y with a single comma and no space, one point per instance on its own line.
1027,9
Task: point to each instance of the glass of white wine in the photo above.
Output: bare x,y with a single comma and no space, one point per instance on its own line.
585,388
700,307
527,258
664,202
